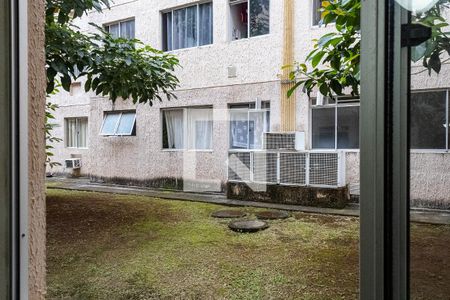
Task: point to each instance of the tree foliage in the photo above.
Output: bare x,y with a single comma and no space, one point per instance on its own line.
333,66
114,67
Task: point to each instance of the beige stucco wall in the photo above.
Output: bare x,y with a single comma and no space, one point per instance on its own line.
36,188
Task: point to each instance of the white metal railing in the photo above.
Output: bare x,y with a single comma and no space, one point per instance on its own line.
305,168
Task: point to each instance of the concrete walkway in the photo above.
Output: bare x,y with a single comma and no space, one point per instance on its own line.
430,216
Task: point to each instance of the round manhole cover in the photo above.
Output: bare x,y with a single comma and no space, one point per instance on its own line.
228,214
272,215
248,226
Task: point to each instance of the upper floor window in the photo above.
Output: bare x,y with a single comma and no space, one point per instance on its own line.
187,128
335,123
123,29
317,14
430,120
76,130
119,123
188,27
248,125
249,18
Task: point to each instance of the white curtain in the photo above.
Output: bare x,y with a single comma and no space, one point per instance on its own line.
179,29
82,133
205,24
71,132
174,127
191,27
200,128
127,29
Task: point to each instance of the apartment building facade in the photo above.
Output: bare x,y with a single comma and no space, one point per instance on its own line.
232,93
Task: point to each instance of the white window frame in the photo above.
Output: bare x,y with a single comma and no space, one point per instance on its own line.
118,122
447,108
248,18
352,102
186,134
107,25
77,127
248,111
170,11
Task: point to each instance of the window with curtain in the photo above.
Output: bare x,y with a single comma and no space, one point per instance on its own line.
250,18
335,125
119,123
188,27
248,125
429,120
187,128
76,130
123,29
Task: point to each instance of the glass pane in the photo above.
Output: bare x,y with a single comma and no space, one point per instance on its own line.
323,128
239,19
179,29
71,133
206,24
259,17
173,129
126,123
428,120
200,128
127,29
348,127
316,13
82,132
167,31
191,26
257,127
430,168
110,123
239,129
114,30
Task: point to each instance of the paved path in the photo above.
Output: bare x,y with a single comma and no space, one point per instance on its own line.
431,216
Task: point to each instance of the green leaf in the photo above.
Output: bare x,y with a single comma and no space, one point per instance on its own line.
316,59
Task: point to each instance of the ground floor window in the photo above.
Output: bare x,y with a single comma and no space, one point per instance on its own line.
429,120
335,124
187,128
248,124
119,123
76,130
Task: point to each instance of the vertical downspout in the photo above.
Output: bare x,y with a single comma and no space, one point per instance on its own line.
287,118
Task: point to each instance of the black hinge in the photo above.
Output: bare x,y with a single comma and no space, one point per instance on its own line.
414,34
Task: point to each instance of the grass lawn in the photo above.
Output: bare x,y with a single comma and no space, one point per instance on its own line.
106,246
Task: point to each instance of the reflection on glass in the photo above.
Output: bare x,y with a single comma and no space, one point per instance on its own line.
259,17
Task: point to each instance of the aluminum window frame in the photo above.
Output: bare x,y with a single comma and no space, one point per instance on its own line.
118,122
170,11
351,102
77,126
119,22
248,111
186,134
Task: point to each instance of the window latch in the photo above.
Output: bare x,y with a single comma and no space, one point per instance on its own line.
414,34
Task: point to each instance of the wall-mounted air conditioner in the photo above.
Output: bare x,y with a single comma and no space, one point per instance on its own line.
284,141
73,163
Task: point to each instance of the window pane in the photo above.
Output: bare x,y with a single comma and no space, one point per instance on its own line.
259,17
114,30
428,120
239,19
71,133
239,129
127,29
179,29
317,14
348,127
167,31
126,123
206,24
191,26
82,132
173,129
109,123
257,127
200,126
323,128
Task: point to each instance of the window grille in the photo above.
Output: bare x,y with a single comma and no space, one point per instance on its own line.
278,141
323,169
265,167
293,168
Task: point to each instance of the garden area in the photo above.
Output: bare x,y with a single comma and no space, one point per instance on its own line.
108,246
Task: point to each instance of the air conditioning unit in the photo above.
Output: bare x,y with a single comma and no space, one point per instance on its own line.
73,163
284,141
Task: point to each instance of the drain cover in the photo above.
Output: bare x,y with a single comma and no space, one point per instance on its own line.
228,214
248,226
272,215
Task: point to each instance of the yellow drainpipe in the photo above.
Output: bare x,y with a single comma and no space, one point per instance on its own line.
288,104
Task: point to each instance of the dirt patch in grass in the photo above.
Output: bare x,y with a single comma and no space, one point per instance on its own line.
104,246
